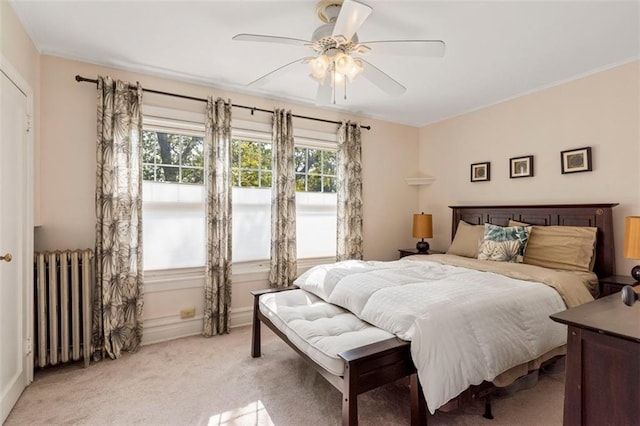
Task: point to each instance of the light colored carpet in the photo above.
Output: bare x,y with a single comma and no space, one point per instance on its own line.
199,381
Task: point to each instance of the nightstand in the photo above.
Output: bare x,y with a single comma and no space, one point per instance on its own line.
602,368
614,283
409,252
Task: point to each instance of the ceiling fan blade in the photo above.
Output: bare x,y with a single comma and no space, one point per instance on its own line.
270,39
352,15
273,74
381,79
323,96
424,48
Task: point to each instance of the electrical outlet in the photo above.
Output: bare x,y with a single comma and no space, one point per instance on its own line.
188,313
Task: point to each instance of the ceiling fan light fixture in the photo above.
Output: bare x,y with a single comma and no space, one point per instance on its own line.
355,70
342,62
318,67
337,78
347,66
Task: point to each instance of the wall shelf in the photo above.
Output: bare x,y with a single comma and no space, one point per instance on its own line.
424,180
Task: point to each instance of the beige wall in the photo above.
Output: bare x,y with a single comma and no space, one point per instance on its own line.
18,49
68,152
601,111
68,170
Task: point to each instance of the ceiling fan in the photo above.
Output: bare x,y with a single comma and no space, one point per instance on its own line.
338,52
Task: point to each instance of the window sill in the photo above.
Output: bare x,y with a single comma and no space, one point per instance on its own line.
183,278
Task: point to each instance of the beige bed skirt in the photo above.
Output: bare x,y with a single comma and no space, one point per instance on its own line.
512,374
508,378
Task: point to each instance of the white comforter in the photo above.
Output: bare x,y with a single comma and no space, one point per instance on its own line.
465,326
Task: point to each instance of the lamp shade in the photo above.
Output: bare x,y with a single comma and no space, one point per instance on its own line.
631,237
423,226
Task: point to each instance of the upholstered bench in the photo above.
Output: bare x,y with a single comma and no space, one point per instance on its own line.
351,354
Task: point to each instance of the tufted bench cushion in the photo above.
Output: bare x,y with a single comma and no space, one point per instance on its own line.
319,329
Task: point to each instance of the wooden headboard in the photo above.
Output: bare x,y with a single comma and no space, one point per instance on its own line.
598,215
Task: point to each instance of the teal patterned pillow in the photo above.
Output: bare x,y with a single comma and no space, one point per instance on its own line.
509,233
499,251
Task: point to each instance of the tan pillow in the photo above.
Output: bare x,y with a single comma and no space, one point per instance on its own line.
467,239
561,247
516,223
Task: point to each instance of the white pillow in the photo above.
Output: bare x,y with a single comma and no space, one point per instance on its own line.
499,251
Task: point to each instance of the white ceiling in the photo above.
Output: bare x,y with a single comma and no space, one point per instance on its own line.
495,50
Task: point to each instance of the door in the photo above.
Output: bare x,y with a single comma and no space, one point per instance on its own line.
13,241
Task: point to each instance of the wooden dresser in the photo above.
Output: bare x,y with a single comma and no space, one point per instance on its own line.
602,384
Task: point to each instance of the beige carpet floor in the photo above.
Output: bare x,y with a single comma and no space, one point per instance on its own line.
198,381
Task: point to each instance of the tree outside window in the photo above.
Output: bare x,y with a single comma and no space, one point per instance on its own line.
179,158
315,170
172,157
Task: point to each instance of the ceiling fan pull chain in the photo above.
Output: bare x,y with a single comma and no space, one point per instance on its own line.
334,85
345,88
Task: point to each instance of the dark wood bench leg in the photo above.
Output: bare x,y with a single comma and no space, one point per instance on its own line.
418,403
255,340
350,396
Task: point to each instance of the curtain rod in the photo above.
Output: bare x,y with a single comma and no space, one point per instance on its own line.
79,79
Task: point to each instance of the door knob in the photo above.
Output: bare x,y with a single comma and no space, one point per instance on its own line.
7,257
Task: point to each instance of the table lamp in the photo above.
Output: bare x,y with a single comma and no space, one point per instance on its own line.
423,228
631,242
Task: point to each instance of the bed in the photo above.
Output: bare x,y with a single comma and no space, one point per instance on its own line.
388,358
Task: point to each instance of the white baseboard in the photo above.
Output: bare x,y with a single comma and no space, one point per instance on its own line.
241,316
156,330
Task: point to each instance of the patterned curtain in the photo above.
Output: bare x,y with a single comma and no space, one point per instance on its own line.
117,313
217,290
283,202
349,186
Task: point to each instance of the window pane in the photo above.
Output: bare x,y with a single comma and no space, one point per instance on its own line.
314,183
328,184
329,163
192,151
265,152
159,174
250,156
300,159
169,145
147,173
235,177
248,178
168,174
193,176
265,180
149,147
300,182
314,161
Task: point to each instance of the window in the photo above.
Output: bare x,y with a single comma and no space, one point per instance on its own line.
174,230
173,197
251,180
316,201
315,197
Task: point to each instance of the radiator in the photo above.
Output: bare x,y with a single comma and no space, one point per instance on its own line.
63,306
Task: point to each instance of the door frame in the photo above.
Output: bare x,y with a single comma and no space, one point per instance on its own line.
28,152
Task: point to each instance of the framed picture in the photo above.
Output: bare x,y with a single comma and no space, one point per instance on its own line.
576,160
521,167
481,172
